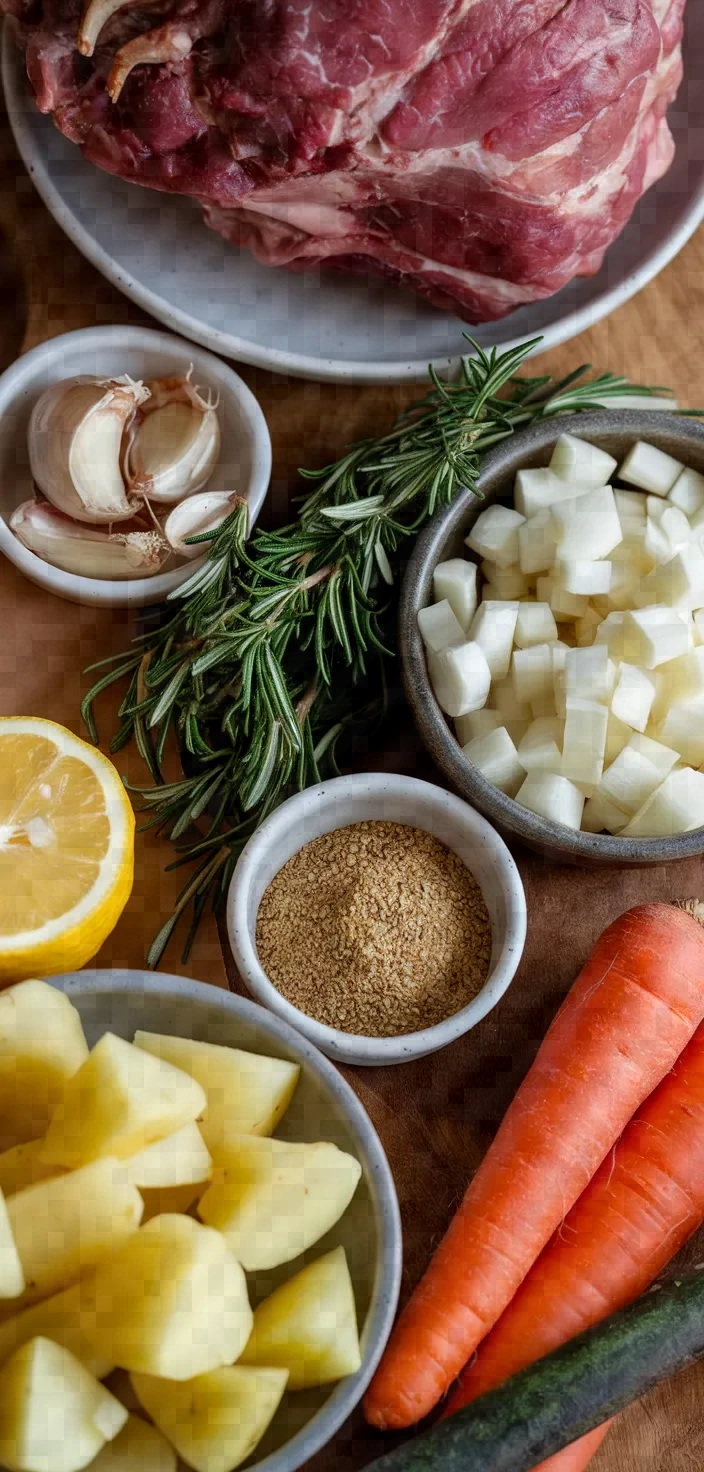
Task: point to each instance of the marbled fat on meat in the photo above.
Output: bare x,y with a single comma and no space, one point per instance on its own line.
484,152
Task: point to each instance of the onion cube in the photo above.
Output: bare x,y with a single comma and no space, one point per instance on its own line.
633,697
544,707
589,673
559,655
587,626
439,629
536,544
652,636
675,526
678,583
509,583
618,735
540,750
578,576
584,741
601,814
536,489
565,606
631,507
610,633
650,469
532,673
460,678
552,797
625,587
676,806
657,545
682,728
637,771
680,679
495,535
476,723
456,582
588,528
655,507
535,624
688,491
577,460
493,629
496,758
506,702
517,729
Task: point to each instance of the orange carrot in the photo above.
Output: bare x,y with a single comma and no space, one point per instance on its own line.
644,1202
625,1021
576,1457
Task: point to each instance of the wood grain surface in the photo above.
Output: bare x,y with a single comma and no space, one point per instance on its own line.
435,1117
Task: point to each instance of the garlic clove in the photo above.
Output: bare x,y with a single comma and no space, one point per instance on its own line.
88,551
174,443
196,515
75,437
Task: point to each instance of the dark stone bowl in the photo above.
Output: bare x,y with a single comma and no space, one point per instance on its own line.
615,431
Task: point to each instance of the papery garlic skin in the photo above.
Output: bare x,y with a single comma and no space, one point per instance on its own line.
75,441
174,444
87,551
195,515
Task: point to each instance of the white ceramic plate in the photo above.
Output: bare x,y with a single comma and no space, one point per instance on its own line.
155,249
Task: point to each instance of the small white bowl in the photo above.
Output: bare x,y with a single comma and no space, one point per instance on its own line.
355,799
103,352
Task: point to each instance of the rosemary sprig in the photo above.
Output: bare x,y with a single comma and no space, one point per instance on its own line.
275,649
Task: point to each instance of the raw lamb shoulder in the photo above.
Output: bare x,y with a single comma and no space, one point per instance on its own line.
484,152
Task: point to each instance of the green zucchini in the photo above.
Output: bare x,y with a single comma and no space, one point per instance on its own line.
560,1398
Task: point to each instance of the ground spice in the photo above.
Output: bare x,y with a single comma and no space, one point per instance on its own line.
377,929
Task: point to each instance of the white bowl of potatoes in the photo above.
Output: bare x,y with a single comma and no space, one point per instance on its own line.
563,693
200,1247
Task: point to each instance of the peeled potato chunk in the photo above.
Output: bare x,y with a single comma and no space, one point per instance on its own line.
64,1226
171,1302
216,1420
247,1094
11,1275
24,1165
119,1102
61,1319
138,1447
41,1046
54,1416
308,1326
181,1159
277,1198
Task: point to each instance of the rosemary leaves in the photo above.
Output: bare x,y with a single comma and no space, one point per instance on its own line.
276,649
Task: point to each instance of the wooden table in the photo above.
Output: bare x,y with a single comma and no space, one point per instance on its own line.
436,1117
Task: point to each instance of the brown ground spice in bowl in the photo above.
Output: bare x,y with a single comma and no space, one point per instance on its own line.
376,929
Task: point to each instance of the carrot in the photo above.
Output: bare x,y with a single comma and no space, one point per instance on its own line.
576,1457
644,1202
627,1018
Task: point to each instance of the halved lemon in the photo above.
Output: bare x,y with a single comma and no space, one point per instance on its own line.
66,849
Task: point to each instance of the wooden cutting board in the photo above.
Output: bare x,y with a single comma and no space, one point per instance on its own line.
435,1117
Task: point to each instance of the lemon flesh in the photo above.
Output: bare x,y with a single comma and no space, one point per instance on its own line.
66,849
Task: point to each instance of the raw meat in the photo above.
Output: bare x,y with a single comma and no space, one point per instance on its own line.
484,152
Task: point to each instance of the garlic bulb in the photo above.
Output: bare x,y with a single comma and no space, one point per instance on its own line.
195,515
174,442
88,551
75,441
